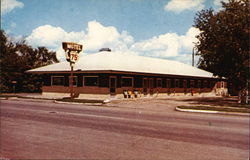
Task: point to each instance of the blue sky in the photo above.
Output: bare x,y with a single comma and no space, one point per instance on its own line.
157,28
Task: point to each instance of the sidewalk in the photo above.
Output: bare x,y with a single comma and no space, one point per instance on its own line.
160,104
31,95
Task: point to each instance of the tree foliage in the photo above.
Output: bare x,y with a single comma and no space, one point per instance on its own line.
16,59
223,44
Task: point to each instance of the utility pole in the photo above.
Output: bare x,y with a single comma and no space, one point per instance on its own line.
193,57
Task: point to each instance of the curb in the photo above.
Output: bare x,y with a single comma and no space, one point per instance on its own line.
37,98
93,104
26,99
213,112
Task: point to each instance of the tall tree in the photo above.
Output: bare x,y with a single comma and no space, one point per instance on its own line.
223,44
15,59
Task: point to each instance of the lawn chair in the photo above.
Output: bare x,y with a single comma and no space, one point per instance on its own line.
125,94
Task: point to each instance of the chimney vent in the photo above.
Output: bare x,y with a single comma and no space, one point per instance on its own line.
105,49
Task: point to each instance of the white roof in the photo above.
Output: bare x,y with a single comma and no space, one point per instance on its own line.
117,61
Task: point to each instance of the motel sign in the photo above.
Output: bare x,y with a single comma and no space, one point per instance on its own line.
72,51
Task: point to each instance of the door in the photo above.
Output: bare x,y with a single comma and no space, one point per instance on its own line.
185,86
112,85
151,86
145,86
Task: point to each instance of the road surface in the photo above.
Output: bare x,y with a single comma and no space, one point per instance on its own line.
45,130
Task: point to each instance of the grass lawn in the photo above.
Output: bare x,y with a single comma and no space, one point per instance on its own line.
7,96
80,100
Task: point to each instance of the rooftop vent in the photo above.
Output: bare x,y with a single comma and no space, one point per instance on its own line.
105,49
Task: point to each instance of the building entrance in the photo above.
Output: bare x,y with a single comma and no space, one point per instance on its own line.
148,84
112,85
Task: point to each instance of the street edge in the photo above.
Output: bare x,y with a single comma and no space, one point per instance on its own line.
211,112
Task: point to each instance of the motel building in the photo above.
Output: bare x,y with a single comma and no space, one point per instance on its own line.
115,74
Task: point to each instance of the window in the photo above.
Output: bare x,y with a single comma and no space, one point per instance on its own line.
205,84
181,83
159,82
199,84
151,83
145,83
177,83
184,83
127,82
212,84
57,80
168,83
192,83
91,81
74,80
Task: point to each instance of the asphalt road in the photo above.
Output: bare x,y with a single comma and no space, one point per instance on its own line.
45,130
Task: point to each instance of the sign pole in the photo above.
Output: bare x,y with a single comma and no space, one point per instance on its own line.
72,51
71,81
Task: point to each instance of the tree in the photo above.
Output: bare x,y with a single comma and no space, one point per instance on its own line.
223,44
16,59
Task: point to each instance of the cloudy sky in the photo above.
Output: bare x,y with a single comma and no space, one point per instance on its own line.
156,28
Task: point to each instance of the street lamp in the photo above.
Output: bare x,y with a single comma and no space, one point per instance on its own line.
193,57
72,51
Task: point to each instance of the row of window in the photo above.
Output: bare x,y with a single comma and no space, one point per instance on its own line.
147,82
87,81
177,83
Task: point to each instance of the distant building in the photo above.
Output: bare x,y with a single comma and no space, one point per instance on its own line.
109,73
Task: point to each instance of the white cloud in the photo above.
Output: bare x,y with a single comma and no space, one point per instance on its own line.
52,37
99,36
167,45
8,5
96,36
187,41
181,5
